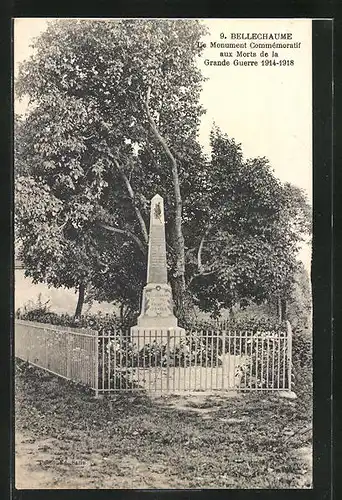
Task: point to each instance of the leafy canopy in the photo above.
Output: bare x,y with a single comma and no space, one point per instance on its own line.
87,160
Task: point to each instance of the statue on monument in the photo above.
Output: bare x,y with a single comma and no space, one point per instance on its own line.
157,211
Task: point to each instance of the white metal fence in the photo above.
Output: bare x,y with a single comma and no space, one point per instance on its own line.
67,352
160,361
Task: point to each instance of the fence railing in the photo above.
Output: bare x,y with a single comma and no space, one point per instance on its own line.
159,360
67,352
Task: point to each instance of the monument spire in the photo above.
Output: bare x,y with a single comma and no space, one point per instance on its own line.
157,304
156,264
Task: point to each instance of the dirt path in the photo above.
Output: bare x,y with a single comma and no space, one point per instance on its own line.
37,466
28,456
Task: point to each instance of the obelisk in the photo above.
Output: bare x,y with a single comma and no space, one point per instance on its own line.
156,317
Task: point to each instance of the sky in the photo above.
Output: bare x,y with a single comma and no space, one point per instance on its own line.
267,109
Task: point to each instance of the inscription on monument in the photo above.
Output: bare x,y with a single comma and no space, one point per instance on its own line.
157,267
158,302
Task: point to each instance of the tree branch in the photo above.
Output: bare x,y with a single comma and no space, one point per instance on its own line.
157,133
200,249
126,232
213,268
206,273
132,197
151,154
189,251
180,257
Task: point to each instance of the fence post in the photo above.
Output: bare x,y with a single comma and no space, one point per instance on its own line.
28,352
68,353
46,350
168,361
289,354
223,357
96,354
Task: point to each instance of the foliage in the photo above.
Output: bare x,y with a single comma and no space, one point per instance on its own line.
106,323
302,365
250,226
88,161
88,138
103,323
251,324
300,302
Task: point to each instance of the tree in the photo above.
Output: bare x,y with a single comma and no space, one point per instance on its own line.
100,92
299,301
246,227
113,120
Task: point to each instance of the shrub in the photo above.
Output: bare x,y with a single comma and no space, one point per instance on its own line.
302,362
100,322
33,309
250,324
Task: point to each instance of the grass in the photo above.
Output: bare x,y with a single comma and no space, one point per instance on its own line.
132,441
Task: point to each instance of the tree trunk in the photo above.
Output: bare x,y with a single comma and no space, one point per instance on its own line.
231,313
180,255
179,281
279,310
283,309
122,308
178,290
80,302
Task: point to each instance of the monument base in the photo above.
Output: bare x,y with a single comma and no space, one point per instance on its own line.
157,323
155,334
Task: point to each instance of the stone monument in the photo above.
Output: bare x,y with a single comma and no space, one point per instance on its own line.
156,317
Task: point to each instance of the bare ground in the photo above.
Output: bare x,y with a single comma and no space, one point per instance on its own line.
65,439
32,471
